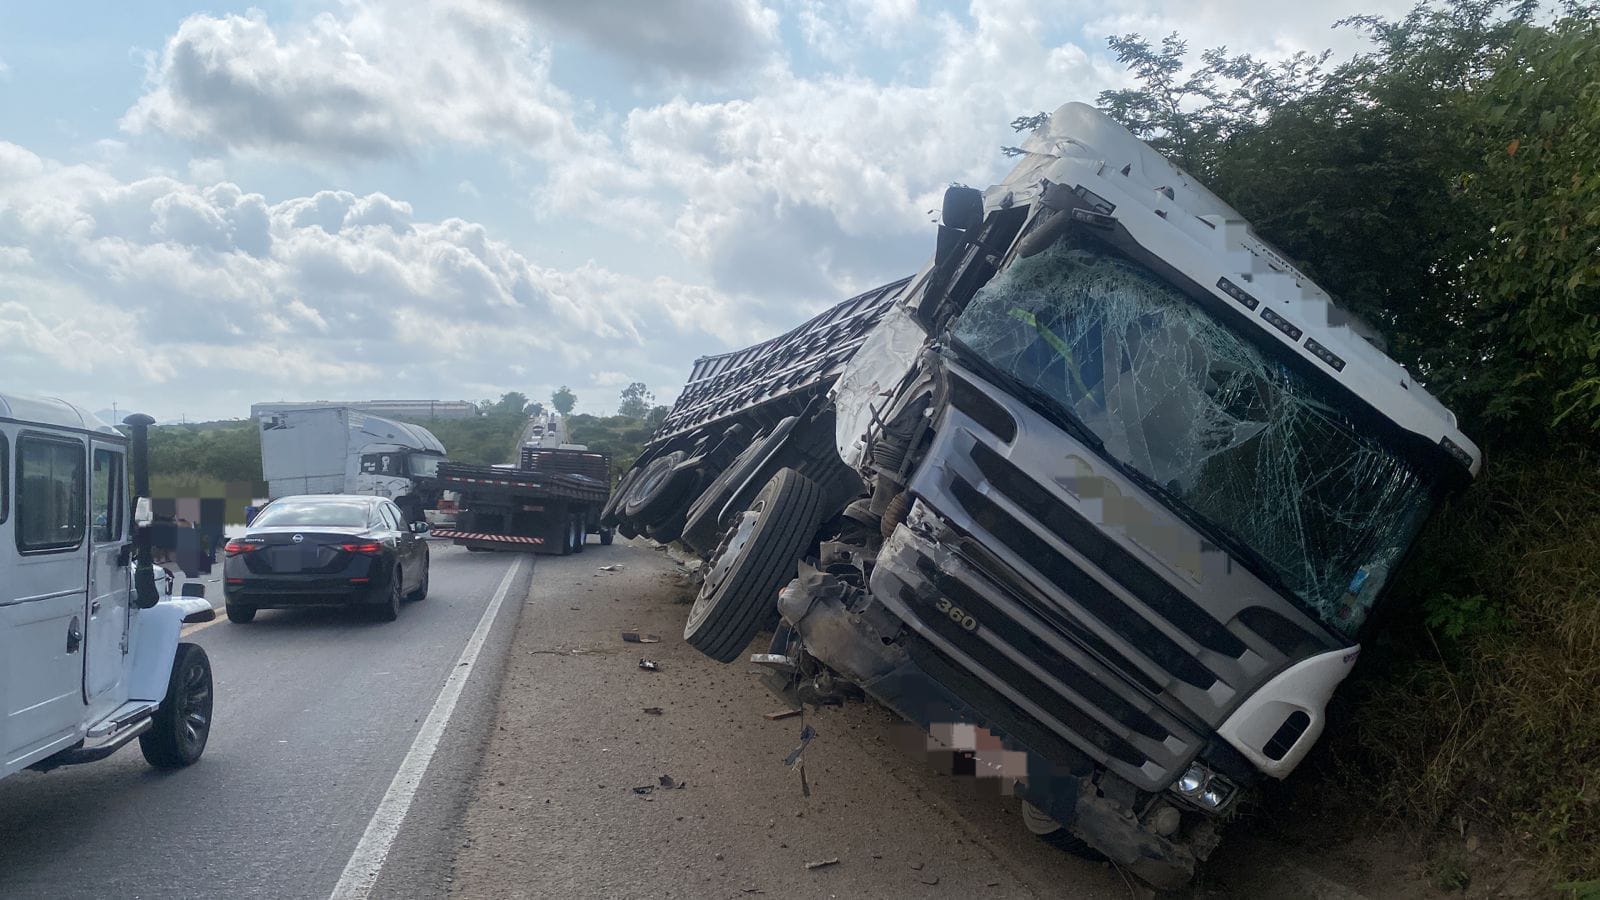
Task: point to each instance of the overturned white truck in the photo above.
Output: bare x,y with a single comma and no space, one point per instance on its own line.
1109,480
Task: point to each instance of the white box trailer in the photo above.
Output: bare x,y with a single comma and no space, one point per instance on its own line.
339,450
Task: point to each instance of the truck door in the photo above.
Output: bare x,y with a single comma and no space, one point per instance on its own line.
43,601
109,584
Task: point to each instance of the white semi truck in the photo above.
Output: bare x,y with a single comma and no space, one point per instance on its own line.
339,450
1101,497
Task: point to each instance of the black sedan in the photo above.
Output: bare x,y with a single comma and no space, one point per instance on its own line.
326,550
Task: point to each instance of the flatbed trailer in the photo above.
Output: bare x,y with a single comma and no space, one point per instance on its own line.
549,504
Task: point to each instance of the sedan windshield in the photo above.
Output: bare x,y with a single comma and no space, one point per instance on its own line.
332,513
1257,455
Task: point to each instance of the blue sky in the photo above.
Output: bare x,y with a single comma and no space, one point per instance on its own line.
201,207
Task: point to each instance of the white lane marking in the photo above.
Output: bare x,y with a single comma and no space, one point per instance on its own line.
361,872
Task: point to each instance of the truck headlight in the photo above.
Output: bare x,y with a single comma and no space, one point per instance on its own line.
1204,788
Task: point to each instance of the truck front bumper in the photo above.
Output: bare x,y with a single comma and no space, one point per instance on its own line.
879,650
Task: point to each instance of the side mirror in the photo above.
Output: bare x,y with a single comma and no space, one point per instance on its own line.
963,207
421,527
142,513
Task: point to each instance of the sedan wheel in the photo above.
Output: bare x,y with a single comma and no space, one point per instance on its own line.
390,610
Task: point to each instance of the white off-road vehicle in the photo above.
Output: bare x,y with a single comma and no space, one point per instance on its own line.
88,632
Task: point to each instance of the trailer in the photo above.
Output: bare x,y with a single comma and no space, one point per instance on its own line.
550,502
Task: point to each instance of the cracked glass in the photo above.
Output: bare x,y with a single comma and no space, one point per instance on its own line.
1265,458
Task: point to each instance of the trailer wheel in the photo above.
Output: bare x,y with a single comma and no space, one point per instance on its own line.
756,558
703,522
609,513
661,489
580,534
667,531
606,536
182,722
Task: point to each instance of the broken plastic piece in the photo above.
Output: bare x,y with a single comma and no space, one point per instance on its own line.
667,782
649,665
653,710
634,637
782,714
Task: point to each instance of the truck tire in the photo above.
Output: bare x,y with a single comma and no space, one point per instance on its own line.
580,534
703,523
182,723
1041,825
661,489
606,536
667,531
611,511
756,558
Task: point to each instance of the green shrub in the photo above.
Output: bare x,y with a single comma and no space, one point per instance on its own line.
1482,706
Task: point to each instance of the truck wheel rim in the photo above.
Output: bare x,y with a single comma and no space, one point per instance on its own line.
728,555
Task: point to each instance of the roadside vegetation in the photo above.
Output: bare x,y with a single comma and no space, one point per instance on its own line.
1445,185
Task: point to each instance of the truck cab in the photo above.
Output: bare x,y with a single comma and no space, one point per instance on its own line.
89,639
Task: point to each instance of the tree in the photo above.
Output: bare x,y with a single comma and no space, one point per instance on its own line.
563,399
535,409
511,403
636,401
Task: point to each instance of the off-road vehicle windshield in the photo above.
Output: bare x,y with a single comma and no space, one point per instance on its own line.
1259,456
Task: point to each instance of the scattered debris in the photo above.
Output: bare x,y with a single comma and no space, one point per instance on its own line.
807,735
614,567
929,879
634,637
644,789
782,714
916,867
823,863
649,665
653,710
667,782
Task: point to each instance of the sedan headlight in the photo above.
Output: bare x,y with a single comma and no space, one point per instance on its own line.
1204,788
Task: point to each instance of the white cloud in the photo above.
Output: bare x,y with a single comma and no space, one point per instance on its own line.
687,37
162,286
372,81
816,187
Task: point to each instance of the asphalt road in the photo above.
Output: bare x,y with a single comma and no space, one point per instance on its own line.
316,710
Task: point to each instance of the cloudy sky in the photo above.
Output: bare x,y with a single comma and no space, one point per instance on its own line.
205,207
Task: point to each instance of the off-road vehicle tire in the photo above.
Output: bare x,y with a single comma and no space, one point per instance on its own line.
182,723
756,558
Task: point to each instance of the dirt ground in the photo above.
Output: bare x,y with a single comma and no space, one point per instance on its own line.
554,810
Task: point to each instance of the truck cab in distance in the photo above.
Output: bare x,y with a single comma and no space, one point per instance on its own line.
1109,483
339,450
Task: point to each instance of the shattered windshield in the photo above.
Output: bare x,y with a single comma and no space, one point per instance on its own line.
1263,456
